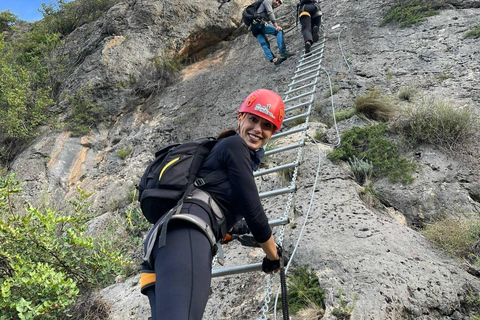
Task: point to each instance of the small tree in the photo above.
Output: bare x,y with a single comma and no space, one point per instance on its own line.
46,259
7,19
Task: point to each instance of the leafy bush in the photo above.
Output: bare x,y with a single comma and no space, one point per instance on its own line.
455,235
371,144
62,17
85,113
411,12
7,19
375,105
474,32
46,257
438,122
23,99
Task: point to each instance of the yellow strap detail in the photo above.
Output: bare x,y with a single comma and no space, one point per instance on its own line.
304,13
146,279
166,166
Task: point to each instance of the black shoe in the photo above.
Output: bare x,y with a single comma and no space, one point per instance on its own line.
286,54
315,33
308,47
279,61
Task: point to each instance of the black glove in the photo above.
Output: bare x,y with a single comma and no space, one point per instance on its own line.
269,266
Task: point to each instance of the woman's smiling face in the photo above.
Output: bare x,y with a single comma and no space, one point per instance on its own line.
255,131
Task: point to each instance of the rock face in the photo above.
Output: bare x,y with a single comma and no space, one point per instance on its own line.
383,268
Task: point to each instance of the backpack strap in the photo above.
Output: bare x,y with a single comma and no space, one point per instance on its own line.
163,234
215,177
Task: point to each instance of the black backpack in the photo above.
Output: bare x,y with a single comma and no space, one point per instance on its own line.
250,13
174,169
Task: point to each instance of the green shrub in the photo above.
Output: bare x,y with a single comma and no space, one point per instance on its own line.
23,103
62,17
362,169
474,32
407,93
369,196
85,113
329,93
167,63
371,144
375,105
455,235
123,153
304,290
406,13
345,114
46,257
319,136
345,309
7,20
438,122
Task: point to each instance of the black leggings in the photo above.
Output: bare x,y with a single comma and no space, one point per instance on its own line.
183,271
308,22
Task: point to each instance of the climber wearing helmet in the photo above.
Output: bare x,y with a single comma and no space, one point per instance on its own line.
182,268
266,24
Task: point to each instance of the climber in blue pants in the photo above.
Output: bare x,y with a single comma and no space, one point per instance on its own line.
264,24
262,39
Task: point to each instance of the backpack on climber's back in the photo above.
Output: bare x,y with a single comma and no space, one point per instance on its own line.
250,13
174,169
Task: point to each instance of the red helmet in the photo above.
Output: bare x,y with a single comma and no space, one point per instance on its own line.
266,104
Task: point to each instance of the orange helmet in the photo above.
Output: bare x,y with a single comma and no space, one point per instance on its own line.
266,104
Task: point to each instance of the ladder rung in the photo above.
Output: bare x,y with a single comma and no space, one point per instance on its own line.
291,131
289,147
302,104
236,270
301,75
310,66
310,59
300,116
300,96
249,267
304,79
276,192
275,169
301,87
279,222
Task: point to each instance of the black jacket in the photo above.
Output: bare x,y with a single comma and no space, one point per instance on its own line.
239,194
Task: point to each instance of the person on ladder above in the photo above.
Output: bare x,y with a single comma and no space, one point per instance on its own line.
176,277
310,17
266,23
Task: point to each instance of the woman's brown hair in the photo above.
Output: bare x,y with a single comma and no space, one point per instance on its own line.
226,133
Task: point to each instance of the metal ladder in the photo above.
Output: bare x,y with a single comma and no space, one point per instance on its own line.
298,99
